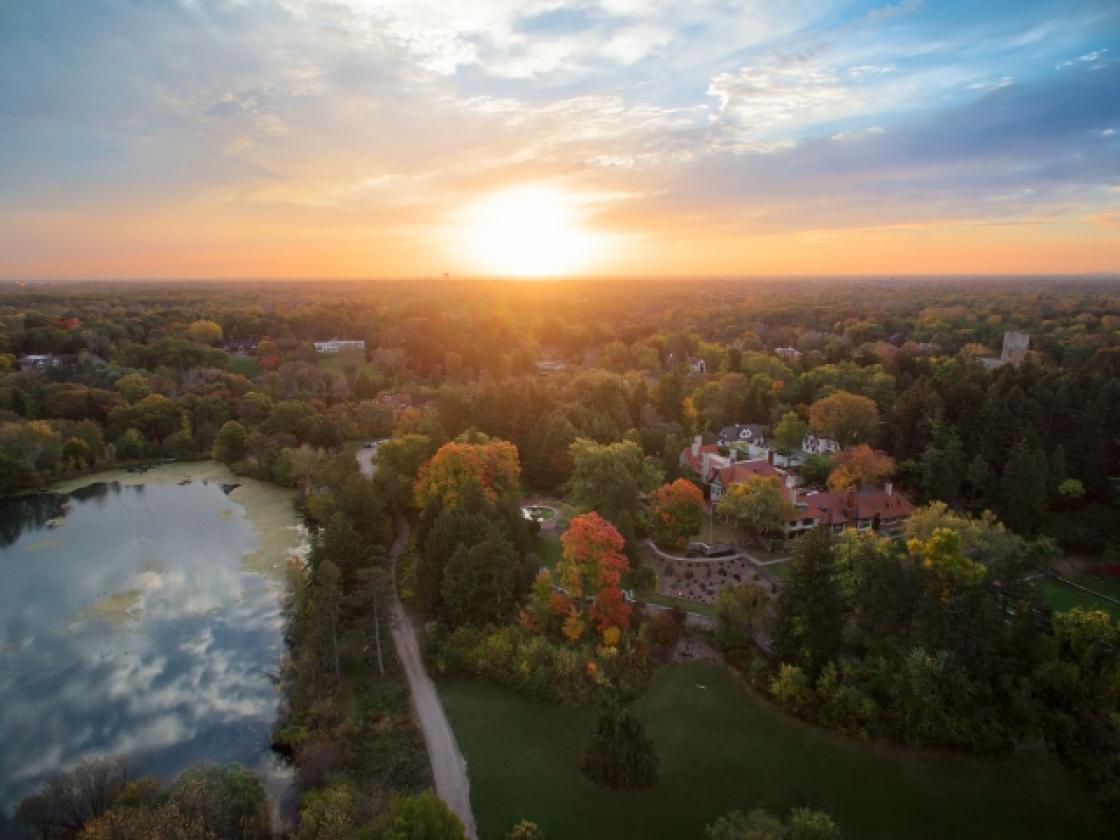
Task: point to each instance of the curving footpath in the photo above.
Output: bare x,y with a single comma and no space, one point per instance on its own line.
449,769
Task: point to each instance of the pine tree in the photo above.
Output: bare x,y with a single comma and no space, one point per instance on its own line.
809,610
620,754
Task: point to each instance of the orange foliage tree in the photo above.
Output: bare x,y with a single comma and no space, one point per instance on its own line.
859,465
845,417
677,512
591,567
458,468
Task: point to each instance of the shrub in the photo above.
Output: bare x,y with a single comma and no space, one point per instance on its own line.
619,754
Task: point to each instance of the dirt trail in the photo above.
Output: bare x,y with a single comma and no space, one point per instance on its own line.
449,769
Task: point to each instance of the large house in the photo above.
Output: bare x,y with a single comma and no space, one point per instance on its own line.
719,471
864,509
815,445
742,433
336,345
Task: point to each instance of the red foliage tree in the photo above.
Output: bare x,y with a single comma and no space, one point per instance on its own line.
678,510
592,565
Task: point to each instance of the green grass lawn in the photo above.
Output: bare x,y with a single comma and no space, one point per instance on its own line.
1061,597
548,548
724,747
245,365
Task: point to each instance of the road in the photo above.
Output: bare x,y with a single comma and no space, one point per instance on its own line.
449,768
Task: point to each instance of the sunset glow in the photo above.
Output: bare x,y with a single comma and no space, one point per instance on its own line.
359,138
528,231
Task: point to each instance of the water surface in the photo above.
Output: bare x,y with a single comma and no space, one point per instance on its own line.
141,619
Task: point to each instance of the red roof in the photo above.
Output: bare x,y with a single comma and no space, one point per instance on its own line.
851,505
742,470
694,461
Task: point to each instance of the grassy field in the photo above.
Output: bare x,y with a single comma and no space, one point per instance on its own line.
723,747
1061,597
548,548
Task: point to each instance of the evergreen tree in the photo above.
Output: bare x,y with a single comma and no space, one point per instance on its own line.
942,465
1023,487
809,609
619,754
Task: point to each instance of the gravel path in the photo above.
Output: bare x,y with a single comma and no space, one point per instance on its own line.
449,769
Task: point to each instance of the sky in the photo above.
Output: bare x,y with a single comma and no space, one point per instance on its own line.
362,138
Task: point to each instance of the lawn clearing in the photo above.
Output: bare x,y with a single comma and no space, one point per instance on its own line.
547,548
723,747
1060,598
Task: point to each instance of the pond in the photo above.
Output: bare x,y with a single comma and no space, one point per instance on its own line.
141,615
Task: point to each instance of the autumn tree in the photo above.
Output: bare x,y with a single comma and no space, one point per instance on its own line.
489,466
859,465
677,511
591,567
204,332
230,443
757,505
845,417
420,816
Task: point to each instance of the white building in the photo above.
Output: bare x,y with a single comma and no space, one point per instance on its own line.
815,445
336,345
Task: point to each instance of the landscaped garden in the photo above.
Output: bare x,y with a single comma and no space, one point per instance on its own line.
723,747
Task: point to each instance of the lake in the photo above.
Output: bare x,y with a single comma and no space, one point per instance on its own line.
141,615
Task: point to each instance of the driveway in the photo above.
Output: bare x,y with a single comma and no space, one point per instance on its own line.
449,769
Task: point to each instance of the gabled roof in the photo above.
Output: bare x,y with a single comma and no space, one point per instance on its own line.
742,470
694,461
866,503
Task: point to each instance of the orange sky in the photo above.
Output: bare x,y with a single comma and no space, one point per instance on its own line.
365,138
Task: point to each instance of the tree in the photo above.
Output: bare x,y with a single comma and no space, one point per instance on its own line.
526,830
845,417
163,823
133,387
609,478
790,432
811,824
420,816
740,611
942,464
758,506
759,824
490,467
1023,487
677,511
809,606
859,465
592,565
227,800
373,586
204,332
480,582
72,798
816,469
619,754
231,443
328,598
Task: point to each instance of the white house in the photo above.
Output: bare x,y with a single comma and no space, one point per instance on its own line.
814,444
336,345
697,367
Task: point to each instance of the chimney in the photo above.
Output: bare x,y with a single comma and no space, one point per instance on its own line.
888,488
696,446
850,501
733,454
770,457
705,464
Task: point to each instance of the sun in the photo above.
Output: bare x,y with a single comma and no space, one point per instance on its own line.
528,231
